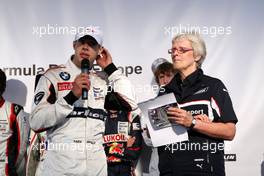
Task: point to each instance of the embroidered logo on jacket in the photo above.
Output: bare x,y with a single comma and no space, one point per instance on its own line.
122,127
65,76
98,93
3,126
136,126
64,86
225,90
114,138
38,97
113,159
116,148
201,91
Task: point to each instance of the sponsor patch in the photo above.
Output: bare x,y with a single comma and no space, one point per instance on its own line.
113,159
122,127
64,86
225,90
114,138
17,109
136,126
116,148
4,130
65,76
230,157
81,112
202,91
98,93
38,97
3,126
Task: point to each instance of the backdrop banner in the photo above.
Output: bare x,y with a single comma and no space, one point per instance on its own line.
37,35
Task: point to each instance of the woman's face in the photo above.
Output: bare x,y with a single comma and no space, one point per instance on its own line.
183,56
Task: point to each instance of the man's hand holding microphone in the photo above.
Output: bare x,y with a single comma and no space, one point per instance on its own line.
81,84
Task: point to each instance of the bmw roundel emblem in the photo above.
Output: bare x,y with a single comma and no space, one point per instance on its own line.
65,76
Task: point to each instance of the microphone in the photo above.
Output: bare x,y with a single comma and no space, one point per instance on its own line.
85,66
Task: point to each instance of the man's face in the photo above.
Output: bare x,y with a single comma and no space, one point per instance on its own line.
84,51
165,78
182,55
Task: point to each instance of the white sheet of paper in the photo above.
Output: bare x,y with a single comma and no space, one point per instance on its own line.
167,134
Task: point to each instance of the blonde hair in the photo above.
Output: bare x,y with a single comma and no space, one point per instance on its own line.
198,45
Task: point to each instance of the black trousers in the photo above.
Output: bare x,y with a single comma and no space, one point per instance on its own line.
119,169
189,163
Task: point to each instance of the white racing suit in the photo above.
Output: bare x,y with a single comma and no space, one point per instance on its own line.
75,127
14,139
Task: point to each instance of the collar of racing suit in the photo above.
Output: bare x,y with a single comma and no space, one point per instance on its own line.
73,66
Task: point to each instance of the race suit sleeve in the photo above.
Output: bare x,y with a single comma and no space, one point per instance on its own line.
48,109
121,85
222,104
18,142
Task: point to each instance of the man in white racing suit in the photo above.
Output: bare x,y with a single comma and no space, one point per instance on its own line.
74,126
14,135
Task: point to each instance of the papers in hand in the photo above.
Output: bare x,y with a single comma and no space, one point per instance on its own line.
154,114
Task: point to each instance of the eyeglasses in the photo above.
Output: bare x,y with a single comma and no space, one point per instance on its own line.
181,50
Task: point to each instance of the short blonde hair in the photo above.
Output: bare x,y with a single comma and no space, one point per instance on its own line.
198,44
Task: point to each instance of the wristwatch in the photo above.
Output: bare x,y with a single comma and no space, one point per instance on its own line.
193,123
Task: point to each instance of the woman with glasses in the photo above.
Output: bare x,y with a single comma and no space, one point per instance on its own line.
204,108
